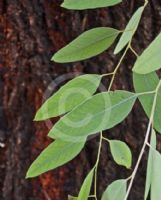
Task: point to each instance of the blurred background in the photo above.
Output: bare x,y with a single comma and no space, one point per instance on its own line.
30,33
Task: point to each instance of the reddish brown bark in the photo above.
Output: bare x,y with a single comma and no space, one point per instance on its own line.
30,32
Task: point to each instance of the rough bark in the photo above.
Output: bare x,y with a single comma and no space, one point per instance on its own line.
30,32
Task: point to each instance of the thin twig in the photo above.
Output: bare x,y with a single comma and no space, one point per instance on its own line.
96,165
145,141
117,67
108,74
133,51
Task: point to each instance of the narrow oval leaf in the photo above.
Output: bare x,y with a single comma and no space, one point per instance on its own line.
88,4
149,174
150,60
86,187
87,45
146,83
102,111
56,154
69,96
156,177
116,190
129,30
121,153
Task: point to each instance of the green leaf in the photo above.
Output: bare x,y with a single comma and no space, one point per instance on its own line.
72,198
146,83
88,4
129,30
86,187
150,60
121,153
56,154
69,96
156,177
87,45
150,165
116,190
100,112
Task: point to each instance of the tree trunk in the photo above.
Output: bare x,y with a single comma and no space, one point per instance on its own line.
30,33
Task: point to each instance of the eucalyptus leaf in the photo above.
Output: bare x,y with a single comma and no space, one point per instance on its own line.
150,60
129,30
87,45
146,83
121,153
56,154
69,96
150,164
86,186
116,190
88,4
100,112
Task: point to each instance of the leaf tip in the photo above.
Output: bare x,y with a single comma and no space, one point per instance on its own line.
62,5
28,175
32,172
50,135
116,51
53,58
37,117
133,69
41,115
57,58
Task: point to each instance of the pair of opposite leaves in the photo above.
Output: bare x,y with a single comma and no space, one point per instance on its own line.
97,40
118,188
106,110
88,115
